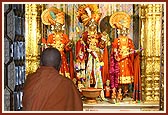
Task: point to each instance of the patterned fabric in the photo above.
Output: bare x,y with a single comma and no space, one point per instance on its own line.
80,59
94,70
125,60
114,71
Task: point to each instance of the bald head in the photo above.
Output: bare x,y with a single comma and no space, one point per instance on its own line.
51,57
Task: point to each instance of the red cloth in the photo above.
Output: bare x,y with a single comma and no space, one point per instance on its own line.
137,94
80,48
44,41
47,90
105,69
126,71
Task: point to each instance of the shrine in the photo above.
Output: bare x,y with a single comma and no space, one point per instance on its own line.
113,52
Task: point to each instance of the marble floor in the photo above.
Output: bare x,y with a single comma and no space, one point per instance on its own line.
109,106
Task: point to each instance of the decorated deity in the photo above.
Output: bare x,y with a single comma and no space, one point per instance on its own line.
119,95
81,57
107,89
74,81
55,19
123,53
114,94
80,86
95,46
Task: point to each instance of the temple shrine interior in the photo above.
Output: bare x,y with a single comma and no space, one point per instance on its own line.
113,52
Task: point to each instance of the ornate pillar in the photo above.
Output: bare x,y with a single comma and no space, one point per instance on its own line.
161,103
142,29
33,36
151,28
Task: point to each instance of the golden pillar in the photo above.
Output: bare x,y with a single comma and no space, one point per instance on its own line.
162,73
142,29
32,36
151,28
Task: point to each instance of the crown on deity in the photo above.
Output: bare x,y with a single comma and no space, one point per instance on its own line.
120,20
87,13
52,16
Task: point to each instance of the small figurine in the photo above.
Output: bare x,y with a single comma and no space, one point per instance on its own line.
125,94
74,81
92,81
114,96
119,96
80,86
107,89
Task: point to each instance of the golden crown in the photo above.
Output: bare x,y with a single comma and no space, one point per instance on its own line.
88,12
120,20
52,15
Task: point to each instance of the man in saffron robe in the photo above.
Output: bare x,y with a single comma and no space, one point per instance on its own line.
47,90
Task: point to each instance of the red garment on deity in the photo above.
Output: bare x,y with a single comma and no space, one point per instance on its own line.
65,68
105,68
126,67
80,49
47,90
